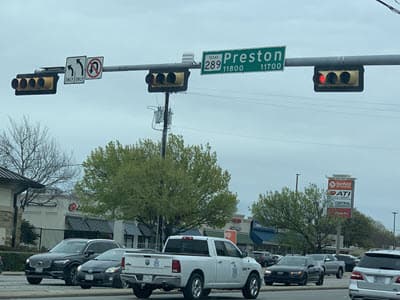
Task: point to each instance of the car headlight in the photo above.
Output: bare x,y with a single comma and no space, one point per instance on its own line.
61,261
267,272
296,273
79,268
112,269
27,261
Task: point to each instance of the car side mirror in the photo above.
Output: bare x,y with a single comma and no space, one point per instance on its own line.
310,266
89,253
245,254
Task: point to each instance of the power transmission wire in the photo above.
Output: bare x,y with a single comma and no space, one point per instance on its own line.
393,9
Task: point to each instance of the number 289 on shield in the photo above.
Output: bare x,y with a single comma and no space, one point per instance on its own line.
212,62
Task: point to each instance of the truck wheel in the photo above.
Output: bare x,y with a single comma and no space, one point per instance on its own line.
252,287
70,275
142,292
34,280
194,287
339,273
206,292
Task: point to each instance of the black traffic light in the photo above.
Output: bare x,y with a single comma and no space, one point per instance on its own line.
35,84
167,81
338,79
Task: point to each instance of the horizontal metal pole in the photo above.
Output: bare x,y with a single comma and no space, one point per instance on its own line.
366,60
371,60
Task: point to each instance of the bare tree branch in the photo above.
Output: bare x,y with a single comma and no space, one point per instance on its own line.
28,150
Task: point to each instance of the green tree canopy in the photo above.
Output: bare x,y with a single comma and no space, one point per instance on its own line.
133,182
301,215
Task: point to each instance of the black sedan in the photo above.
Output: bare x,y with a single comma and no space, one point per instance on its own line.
294,269
104,270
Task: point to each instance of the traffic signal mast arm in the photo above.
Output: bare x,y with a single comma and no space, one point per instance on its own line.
18,83
372,60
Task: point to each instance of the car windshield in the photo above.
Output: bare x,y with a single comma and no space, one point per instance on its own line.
113,254
292,261
380,261
69,247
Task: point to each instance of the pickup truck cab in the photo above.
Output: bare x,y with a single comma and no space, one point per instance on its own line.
195,265
330,264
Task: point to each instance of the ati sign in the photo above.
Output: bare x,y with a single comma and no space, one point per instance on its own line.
340,195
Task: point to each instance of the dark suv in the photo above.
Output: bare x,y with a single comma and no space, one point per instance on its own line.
62,261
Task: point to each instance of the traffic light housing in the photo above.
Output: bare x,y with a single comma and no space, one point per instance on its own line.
35,84
338,79
167,81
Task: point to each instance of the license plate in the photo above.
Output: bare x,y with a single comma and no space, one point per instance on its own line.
88,277
279,273
147,278
380,279
38,270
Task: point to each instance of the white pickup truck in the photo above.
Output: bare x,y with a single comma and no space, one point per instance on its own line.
195,265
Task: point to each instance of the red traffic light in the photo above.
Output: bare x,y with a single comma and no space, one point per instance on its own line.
338,78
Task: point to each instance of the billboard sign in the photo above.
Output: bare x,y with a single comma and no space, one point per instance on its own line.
340,196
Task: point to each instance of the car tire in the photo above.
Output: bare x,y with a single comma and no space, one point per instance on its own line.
320,279
34,280
194,287
142,292
304,281
252,287
86,286
339,273
70,275
119,284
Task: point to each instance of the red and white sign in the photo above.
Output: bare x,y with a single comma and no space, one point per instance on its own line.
340,184
94,67
340,193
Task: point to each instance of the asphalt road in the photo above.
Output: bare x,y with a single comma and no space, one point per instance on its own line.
339,294
16,287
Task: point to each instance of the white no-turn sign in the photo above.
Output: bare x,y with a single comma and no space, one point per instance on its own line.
94,67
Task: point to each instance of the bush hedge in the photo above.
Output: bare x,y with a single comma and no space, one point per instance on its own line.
14,260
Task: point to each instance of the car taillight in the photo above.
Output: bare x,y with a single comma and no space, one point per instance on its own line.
123,263
176,266
398,279
357,276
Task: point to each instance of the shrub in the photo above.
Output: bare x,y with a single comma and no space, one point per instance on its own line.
14,261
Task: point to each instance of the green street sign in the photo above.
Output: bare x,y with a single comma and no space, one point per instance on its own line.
243,60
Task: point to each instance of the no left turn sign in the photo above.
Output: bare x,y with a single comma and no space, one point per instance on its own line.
94,67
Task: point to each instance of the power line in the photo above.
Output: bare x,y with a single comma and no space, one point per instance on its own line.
395,10
292,141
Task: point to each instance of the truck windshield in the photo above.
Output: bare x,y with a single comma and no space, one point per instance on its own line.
187,247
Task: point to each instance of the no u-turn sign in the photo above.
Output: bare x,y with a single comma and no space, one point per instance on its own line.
94,67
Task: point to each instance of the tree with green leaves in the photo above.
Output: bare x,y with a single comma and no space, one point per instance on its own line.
300,216
187,188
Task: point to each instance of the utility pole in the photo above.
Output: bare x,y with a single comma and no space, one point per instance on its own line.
297,182
394,229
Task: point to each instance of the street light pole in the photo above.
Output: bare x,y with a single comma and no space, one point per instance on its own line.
394,228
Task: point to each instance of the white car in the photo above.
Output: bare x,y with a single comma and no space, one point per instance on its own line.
376,276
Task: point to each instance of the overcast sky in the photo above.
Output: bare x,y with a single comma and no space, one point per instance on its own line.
265,127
